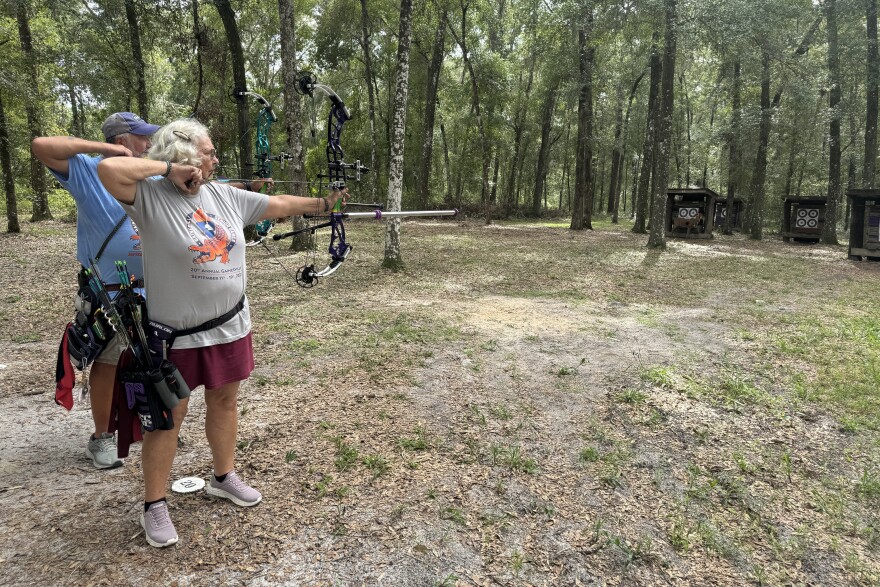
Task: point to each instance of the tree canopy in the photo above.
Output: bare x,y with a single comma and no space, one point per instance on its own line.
494,122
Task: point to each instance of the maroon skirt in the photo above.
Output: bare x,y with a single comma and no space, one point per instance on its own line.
213,366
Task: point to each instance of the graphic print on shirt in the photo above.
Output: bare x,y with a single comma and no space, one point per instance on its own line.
136,238
213,236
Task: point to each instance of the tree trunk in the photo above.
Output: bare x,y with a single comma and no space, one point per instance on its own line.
227,15
463,155
634,173
657,236
832,205
757,204
393,258
447,167
493,192
873,80
8,179
613,185
704,177
293,126
581,214
510,191
475,97
75,120
734,172
564,193
689,120
621,180
755,215
644,182
200,35
40,209
543,150
134,37
434,69
374,176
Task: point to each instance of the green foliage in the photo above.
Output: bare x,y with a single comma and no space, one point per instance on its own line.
520,53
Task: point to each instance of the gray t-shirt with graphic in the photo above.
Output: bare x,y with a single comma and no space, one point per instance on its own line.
194,256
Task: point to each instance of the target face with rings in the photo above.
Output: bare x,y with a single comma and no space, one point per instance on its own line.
806,218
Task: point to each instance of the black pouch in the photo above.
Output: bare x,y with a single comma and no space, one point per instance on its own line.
83,345
160,337
142,396
89,333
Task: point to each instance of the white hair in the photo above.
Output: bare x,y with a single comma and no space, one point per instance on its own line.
178,142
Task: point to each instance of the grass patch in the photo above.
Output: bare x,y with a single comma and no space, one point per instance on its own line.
513,458
419,440
346,455
845,353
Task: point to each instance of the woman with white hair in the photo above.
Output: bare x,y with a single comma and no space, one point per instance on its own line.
194,268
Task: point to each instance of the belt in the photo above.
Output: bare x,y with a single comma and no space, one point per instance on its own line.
116,286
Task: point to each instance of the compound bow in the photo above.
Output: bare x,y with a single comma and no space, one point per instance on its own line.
338,171
336,176
262,152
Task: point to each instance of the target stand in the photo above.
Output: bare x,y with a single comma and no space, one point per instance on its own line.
690,212
721,210
864,225
803,219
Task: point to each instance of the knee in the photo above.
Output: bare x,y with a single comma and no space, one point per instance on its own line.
223,398
179,412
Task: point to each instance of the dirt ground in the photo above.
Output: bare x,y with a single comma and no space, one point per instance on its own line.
514,408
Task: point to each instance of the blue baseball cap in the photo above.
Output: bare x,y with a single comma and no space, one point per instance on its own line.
126,122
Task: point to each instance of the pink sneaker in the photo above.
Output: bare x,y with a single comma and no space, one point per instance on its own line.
234,489
157,525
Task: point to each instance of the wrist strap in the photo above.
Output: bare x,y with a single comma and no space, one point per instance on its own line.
167,169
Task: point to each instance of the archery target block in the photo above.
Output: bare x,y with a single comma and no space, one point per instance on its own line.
872,227
806,220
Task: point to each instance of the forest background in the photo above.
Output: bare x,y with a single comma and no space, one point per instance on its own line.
511,108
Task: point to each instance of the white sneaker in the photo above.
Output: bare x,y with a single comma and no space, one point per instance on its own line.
102,451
